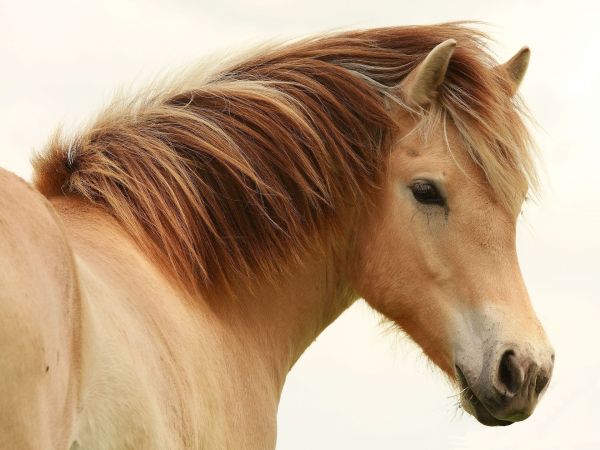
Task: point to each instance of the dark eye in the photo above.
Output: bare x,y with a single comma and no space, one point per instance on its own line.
426,193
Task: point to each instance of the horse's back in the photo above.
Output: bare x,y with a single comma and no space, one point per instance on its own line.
39,349
147,367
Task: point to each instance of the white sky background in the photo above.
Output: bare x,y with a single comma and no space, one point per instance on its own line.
358,386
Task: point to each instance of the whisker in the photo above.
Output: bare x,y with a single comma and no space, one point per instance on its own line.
458,393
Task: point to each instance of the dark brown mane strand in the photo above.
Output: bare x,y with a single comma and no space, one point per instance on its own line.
227,178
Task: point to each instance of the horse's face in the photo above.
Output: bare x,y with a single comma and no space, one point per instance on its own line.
437,256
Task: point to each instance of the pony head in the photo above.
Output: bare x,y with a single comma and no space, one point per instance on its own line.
436,253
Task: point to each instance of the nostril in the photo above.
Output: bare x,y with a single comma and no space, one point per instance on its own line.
510,373
540,383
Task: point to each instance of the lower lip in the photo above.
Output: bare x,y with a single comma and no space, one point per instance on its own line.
480,412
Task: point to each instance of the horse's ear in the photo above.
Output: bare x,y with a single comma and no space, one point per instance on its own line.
516,67
420,86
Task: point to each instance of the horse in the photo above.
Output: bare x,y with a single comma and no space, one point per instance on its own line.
171,261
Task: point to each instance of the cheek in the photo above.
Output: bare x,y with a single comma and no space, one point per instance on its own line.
400,271
379,275
389,260
392,281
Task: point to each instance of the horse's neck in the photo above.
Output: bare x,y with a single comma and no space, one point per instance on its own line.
284,317
222,362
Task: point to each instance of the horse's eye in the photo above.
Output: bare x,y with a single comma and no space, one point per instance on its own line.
426,193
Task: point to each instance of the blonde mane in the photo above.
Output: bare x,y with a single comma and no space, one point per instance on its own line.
228,178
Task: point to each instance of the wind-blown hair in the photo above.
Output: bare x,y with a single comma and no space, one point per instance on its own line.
225,176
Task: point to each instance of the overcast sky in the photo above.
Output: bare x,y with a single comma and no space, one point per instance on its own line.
358,386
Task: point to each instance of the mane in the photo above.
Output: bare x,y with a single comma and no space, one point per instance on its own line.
224,176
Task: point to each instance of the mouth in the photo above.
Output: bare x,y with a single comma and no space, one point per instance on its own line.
471,403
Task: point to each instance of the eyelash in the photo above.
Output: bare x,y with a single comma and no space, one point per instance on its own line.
426,193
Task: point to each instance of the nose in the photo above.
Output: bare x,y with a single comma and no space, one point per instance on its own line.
519,382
